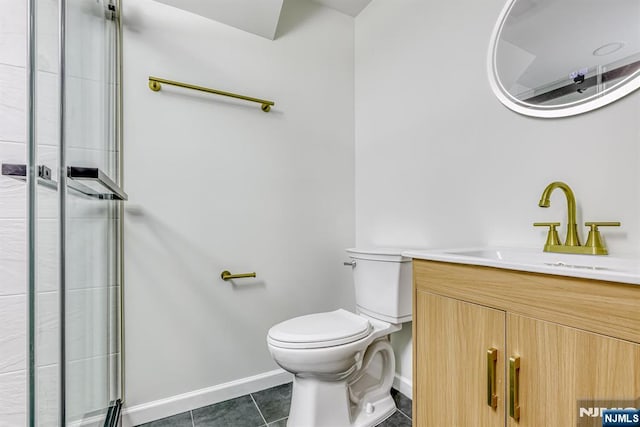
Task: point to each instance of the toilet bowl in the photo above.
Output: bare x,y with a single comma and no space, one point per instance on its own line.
343,362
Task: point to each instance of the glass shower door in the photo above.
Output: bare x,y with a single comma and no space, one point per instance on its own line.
60,233
90,210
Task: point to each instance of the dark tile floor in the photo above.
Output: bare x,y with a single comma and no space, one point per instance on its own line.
268,407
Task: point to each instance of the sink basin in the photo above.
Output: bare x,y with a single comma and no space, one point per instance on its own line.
611,268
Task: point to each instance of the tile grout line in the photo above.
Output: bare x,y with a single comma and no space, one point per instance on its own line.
193,423
258,408
281,419
404,414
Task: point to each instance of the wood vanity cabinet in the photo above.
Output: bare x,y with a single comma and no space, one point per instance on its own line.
574,339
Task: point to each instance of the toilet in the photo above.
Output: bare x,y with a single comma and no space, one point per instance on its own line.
342,362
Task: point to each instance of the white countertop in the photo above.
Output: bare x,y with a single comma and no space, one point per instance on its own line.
609,268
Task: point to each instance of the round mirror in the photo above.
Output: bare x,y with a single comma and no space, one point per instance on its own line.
554,58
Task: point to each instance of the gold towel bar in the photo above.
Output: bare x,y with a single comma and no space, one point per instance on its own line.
155,85
225,275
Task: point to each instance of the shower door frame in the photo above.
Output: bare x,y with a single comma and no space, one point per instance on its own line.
31,218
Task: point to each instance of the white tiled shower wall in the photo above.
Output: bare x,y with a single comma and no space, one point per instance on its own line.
13,268
47,139
13,210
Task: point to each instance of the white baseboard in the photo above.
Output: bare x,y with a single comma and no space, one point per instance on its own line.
403,385
147,412
96,421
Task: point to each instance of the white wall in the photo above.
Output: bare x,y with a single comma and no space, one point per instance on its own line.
441,163
216,184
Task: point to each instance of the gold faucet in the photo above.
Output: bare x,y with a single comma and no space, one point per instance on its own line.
572,227
594,245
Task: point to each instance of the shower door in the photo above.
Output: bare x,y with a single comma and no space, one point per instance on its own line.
90,210
60,232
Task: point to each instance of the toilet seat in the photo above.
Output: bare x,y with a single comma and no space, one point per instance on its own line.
319,330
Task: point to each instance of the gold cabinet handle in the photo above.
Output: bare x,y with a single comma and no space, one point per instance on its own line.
492,359
514,387
225,275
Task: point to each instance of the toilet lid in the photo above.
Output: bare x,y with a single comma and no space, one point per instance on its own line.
320,330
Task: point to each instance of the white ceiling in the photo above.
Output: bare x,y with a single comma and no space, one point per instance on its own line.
255,16
350,7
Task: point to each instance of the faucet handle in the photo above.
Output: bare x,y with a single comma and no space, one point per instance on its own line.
552,236
594,240
597,224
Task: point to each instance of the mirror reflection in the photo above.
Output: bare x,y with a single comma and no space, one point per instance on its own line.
554,53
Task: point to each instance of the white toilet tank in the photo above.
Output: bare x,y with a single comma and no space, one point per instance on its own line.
382,279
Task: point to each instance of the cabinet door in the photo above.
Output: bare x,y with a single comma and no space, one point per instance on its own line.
560,366
451,364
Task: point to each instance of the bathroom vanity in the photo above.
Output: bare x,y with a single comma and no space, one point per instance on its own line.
517,346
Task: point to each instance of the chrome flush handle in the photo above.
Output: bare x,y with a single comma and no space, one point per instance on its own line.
350,263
